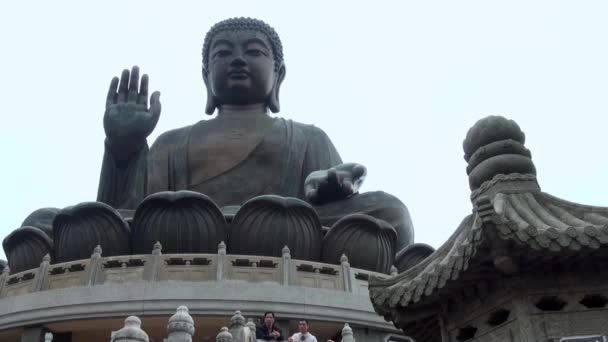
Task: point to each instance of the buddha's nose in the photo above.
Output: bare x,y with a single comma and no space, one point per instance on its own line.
238,61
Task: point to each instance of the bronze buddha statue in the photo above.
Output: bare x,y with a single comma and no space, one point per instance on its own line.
243,152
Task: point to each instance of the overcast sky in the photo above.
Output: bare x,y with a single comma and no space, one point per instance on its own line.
395,84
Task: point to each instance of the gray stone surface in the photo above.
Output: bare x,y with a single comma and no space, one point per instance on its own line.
208,298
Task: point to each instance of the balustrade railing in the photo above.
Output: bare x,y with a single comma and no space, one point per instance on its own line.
185,267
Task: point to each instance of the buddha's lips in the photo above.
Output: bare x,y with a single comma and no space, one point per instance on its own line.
238,74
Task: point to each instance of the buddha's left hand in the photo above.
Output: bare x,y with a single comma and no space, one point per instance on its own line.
334,184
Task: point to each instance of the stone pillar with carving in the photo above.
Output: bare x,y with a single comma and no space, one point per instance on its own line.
94,266
251,325
221,261
286,265
41,274
224,335
347,334
239,331
131,332
181,326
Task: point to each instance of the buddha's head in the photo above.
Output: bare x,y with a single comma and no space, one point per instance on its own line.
242,64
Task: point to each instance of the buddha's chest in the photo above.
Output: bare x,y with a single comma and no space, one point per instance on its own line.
216,148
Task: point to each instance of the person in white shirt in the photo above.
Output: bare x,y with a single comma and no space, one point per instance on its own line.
303,335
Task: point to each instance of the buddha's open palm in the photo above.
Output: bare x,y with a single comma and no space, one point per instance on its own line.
128,120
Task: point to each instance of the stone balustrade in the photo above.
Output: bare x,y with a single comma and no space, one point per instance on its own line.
185,267
180,329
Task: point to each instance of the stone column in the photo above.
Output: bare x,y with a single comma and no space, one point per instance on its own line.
3,278
151,268
346,273
221,261
181,326
286,265
131,332
94,266
41,274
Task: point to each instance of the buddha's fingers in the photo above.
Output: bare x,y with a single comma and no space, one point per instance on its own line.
123,88
143,91
111,99
359,171
312,195
155,106
347,187
133,84
332,176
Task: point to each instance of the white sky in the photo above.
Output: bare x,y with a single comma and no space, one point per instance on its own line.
395,84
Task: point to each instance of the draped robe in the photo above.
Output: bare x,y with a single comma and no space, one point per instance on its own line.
278,164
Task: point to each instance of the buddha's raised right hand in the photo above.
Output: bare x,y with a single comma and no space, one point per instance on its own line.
128,120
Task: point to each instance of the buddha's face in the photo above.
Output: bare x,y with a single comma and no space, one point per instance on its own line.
241,67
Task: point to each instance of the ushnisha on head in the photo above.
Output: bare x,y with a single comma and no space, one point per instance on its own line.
242,64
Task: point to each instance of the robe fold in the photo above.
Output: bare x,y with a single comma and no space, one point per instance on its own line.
301,148
278,164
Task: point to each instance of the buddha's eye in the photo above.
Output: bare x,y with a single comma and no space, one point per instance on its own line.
255,52
222,53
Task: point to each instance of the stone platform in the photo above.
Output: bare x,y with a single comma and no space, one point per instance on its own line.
91,297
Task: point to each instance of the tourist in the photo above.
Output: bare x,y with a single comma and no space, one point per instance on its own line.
267,331
303,335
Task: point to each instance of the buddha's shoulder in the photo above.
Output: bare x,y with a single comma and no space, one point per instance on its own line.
307,129
173,136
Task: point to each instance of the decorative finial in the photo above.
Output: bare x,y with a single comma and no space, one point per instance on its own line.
347,334
286,252
394,271
131,332
181,322
96,252
251,325
344,259
224,335
495,146
221,248
237,320
157,249
46,258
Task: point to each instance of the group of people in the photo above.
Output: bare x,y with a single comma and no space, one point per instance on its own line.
268,331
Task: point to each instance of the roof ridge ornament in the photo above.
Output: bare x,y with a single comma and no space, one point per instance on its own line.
497,159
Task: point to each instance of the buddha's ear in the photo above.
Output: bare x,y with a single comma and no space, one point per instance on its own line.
273,101
210,105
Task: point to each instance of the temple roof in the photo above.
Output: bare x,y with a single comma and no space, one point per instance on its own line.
533,224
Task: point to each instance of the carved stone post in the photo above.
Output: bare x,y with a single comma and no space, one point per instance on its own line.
94,266
238,330
224,335
347,334
346,274
286,265
131,332
3,278
251,325
221,261
151,269
41,274
181,326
